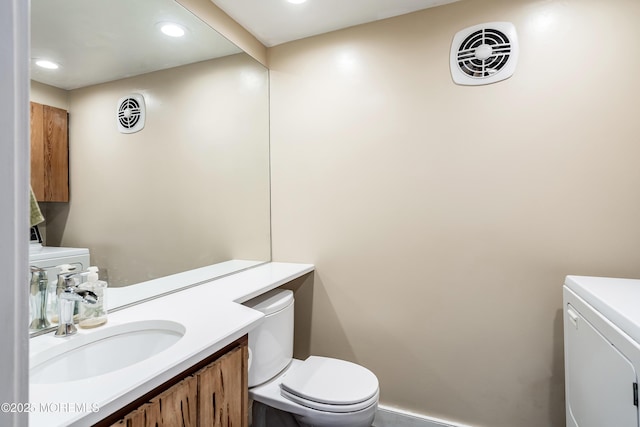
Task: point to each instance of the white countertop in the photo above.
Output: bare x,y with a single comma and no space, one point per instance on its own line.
616,299
120,297
212,316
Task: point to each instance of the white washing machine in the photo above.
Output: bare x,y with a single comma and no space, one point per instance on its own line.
49,257
601,351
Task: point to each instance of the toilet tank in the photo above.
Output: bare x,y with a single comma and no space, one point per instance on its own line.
271,342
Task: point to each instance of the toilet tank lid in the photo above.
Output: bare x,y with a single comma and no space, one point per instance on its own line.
272,301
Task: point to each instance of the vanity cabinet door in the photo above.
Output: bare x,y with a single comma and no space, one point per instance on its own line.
222,391
134,419
49,153
175,407
216,395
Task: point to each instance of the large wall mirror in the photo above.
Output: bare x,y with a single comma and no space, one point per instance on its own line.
191,188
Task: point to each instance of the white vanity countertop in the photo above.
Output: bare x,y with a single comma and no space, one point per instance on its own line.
119,297
212,317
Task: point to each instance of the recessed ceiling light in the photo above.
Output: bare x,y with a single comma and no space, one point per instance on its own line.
296,1
43,63
172,30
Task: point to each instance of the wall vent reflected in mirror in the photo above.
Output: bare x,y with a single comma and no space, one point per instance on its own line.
131,113
203,201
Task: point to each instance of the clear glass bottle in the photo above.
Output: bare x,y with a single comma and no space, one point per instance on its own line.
94,315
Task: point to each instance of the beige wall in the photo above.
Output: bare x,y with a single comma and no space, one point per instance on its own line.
190,189
443,219
49,95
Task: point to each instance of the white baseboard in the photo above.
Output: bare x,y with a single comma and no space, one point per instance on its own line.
393,417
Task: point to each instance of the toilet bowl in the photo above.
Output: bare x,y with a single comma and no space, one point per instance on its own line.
318,391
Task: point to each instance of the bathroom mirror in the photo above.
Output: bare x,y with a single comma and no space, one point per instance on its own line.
191,188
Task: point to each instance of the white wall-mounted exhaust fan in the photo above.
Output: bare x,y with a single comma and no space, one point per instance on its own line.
131,113
483,54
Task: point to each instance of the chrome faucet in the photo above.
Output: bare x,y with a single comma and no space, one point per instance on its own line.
69,294
38,298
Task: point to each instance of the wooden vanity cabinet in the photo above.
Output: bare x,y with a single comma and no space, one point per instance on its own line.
223,392
49,153
213,393
177,406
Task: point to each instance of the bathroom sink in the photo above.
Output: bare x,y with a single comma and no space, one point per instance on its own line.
102,351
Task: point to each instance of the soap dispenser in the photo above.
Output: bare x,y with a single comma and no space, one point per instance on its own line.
94,315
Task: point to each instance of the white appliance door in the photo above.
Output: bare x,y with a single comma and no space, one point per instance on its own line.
600,379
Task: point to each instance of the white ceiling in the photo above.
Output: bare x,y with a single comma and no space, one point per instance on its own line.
277,21
96,41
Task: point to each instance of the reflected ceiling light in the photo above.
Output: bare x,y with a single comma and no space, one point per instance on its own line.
49,65
296,1
172,30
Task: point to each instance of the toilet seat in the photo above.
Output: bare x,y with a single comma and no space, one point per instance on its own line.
330,385
270,394
337,409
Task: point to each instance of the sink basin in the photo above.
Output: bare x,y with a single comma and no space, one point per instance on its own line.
105,350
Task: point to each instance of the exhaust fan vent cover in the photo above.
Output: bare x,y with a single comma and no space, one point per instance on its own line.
483,54
131,113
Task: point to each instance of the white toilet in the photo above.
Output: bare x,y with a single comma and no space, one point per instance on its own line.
317,392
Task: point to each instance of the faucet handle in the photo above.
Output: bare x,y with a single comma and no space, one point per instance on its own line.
69,280
66,268
66,277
